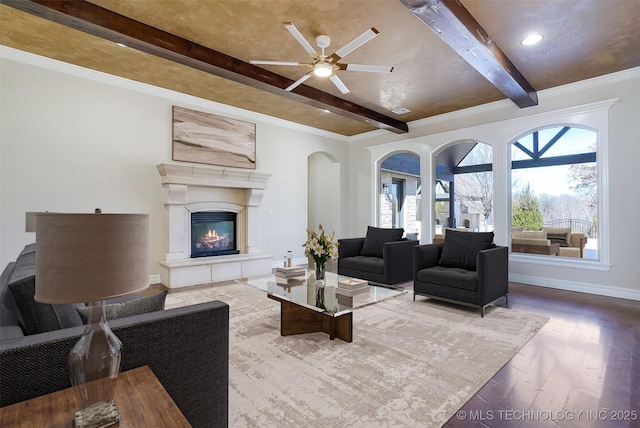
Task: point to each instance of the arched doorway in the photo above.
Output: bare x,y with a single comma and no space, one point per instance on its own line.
323,200
464,187
400,193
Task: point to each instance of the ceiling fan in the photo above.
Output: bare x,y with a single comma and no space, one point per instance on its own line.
326,65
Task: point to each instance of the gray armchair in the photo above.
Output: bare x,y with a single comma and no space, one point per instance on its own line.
382,256
471,271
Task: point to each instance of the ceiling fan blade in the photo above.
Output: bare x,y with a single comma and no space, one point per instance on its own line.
298,82
367,68
300,38
355,43
339,84
257,62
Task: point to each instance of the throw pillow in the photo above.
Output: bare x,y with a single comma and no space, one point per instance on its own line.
376,238
559,235
143,305
461,249
40,317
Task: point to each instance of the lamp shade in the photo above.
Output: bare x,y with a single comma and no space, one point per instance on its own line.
29,222
90,257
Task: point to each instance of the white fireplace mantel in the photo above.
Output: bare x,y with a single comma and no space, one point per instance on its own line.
187,189
212,176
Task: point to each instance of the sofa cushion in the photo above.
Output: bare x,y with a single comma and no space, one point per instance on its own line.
376,238
450,277
11,332
461,249
559,235
143,305
40,317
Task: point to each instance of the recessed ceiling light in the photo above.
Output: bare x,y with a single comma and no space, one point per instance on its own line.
531,39
122,45
326,111
401,110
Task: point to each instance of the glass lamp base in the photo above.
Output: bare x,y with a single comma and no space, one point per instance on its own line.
97,415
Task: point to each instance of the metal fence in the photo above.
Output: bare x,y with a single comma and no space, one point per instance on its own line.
576,224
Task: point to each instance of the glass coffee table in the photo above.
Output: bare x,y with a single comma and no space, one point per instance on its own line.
308,308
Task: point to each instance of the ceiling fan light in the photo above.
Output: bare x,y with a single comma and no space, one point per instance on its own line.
323,69
531,39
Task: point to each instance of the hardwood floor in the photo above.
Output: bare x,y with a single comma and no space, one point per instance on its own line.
581,370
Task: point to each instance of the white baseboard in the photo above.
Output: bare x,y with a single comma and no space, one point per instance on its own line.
600,290
154,279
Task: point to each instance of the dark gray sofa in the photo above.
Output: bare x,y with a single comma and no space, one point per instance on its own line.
187,348
474,274
382,256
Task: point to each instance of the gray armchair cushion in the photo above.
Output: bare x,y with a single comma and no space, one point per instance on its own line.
143,305
450,277
461,249
362,263
376,238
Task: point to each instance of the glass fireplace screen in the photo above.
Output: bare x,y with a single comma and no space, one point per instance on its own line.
213,233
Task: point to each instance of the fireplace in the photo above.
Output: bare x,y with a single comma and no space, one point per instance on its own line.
189,190
213,233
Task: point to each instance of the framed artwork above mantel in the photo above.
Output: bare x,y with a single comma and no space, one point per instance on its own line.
214,140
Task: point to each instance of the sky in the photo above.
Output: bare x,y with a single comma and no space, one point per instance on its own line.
552,180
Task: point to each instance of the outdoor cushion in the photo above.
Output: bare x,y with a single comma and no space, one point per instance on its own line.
461,249
559,235
376,238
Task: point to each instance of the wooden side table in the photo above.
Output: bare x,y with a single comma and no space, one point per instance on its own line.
139,395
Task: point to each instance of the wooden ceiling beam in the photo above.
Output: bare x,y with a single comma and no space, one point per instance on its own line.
453,23
101,22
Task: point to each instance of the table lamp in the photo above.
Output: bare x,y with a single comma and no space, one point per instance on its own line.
87,258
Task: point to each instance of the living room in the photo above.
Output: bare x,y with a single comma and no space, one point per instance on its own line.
74,139
89,140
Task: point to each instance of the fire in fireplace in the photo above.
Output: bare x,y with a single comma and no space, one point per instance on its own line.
213,233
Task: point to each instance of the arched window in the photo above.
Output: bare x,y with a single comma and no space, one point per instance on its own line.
554,196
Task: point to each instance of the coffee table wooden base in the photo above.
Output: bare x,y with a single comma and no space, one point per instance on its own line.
297,319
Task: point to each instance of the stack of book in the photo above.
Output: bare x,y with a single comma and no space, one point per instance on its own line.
289,272
289,281
352,286
289,276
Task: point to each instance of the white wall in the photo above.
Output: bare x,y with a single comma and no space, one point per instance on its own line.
498,124
72,140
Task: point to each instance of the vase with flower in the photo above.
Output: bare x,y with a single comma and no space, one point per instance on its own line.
321,248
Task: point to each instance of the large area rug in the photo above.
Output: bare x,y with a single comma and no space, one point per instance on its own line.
410,364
